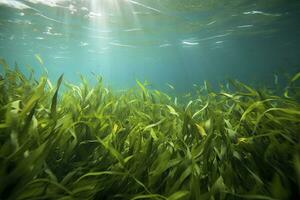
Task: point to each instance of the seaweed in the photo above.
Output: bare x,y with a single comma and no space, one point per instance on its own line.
87,142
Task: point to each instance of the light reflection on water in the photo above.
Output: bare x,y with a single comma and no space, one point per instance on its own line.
161,41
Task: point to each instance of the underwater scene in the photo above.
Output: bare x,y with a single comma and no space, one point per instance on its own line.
149,99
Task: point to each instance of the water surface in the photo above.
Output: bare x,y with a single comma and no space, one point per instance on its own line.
161,41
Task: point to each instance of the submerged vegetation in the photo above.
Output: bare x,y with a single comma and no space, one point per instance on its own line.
89,143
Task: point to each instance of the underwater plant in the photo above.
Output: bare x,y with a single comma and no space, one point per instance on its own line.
91,143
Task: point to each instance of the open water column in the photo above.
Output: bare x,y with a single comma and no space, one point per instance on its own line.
149,99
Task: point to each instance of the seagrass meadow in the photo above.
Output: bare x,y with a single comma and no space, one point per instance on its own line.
149,100
88,142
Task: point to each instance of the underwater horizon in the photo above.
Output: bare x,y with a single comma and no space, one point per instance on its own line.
149,99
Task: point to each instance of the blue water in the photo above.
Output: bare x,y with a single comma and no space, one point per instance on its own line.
161,41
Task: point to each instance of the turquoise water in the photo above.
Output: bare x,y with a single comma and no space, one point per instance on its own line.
161,41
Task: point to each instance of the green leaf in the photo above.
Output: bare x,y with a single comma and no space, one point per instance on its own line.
38,57
178,195
54,98
295,77
172,110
